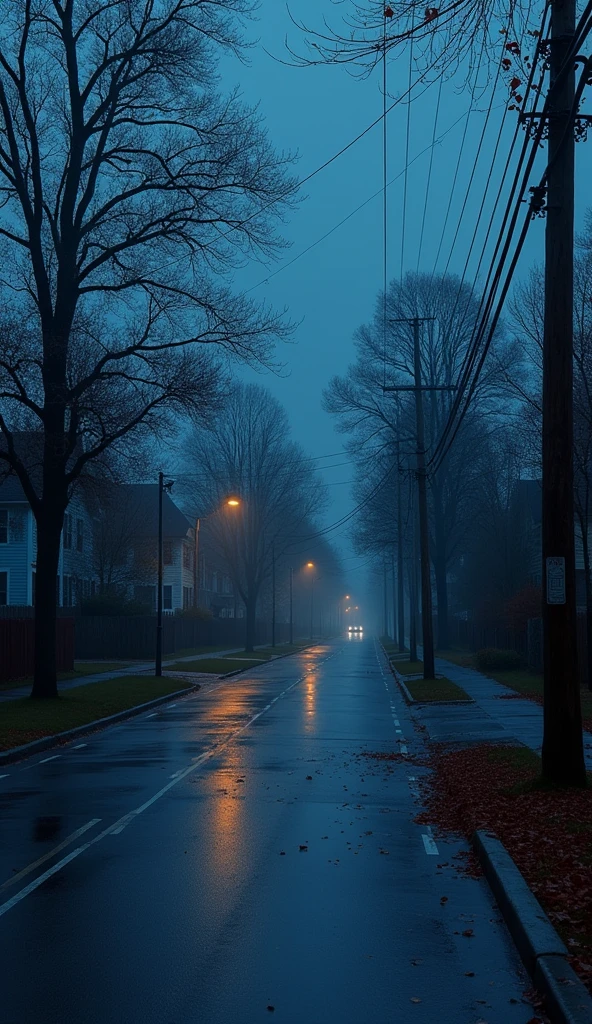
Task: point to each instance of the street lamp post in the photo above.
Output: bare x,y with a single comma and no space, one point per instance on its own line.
162,487
232,502
291,606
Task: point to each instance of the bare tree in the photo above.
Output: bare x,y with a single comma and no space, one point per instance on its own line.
386,357
247,452
129,188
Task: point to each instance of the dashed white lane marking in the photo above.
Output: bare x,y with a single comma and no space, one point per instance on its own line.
152,715
429,844
403,748
122,823
396,721
399,731
169,706
4,776
79,746
53,757
47,856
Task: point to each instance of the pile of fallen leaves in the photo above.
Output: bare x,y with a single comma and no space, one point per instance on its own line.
548,832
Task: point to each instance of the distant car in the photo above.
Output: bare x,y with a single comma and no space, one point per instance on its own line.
355,629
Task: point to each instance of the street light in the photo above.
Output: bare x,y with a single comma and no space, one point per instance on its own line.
162,487
311,565
233,503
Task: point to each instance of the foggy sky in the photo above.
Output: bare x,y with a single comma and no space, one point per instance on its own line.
332,289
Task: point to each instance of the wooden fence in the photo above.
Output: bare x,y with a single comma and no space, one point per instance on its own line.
17,647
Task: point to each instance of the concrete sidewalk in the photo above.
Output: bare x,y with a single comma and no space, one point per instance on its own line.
135,669
497,714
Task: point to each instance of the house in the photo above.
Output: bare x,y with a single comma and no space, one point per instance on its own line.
18,549
126,547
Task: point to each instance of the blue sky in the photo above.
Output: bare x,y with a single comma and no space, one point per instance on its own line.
316,111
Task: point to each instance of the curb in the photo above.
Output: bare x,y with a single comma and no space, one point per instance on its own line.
426,703
277,657
541,950
59,738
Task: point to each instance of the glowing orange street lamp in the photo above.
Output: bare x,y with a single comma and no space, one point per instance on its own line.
233,502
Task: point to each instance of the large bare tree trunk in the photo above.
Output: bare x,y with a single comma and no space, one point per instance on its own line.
49,528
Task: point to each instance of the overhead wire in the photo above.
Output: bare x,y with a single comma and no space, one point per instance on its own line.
406,179
583,29
429,179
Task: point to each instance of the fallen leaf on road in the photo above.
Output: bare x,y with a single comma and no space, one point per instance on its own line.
417,961
282,853
309,778
271,1008
468,933
303,849
443,899
469,974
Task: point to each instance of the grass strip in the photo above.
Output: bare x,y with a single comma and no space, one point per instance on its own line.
438,690
408,668
25,719
546,830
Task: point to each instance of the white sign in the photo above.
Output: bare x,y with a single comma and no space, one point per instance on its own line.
555,580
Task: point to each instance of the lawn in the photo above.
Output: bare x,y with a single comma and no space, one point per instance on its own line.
435,690
408,668
547,831
457,656
25,719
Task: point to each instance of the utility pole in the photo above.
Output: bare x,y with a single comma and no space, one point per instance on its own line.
424,529
400,557
413,590
563,752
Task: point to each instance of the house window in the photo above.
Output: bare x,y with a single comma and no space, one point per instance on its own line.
80,535
167,598
3,588
187,597
4,527
67,532
187,557
67,592
16,527
167,552
215,582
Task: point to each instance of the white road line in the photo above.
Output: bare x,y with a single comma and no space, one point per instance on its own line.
122,823
169,706
52,758
428,842
47,856
152,715
396,721
4,776
400,731
403,749
79,746
411,778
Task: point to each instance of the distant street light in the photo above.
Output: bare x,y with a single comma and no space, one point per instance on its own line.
311,565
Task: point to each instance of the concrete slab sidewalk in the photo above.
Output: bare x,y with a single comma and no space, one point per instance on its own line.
497,714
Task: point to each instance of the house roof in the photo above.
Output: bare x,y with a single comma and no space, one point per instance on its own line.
142,499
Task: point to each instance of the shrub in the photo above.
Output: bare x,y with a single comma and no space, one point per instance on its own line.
491,658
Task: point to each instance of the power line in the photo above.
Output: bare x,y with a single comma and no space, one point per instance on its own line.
340,223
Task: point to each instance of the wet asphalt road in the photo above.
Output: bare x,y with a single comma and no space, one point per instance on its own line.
155,872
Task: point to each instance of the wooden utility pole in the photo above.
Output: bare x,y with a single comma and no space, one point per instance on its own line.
413,588
422,492
563,752
400,556
385,600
